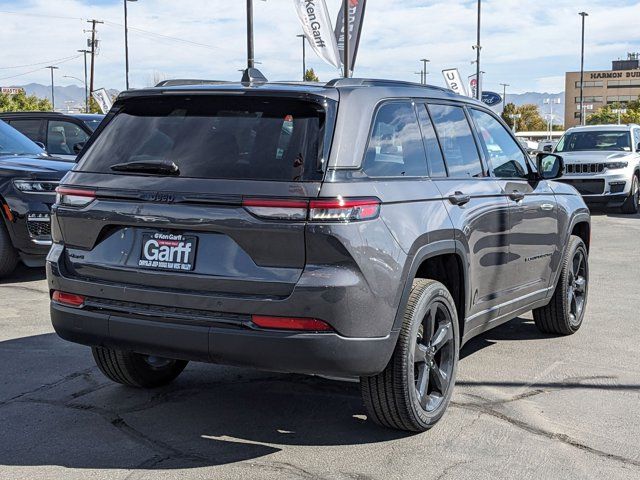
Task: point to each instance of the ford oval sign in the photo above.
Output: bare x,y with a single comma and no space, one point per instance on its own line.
491,98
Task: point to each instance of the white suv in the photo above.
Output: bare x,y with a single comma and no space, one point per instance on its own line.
603,163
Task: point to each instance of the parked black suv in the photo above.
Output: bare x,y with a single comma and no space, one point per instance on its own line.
361,228
28,179
61,135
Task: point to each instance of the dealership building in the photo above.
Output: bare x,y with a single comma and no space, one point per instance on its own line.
619,85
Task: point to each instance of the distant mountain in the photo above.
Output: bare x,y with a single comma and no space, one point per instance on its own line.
70,97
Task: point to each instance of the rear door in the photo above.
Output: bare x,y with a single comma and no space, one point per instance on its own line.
231,219
533,238
478,211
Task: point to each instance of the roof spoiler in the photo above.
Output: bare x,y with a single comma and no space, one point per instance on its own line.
253,75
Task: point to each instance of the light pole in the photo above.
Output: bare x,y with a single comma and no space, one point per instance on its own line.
345,61
424,70
582,122
304,56
477,48
86,82
53,96
515,117
551,102
85,89
126,40
504,96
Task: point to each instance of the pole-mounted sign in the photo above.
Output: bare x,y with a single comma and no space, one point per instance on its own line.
102,98
454,81
315,20
356,19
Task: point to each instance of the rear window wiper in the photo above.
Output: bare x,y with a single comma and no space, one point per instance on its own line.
154,167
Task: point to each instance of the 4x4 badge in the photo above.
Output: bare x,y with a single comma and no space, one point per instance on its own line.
158,197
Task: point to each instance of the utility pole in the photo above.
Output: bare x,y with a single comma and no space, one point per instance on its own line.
304,56
53,95
478,47
424,70
250,48
126,40
582,115
86,81
504,96
93,45
346,38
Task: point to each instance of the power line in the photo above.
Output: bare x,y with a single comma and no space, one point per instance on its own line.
41,68
39,63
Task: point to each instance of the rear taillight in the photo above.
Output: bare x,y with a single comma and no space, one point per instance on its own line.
74,197
291,323
68,299
344,209
325,210
277,209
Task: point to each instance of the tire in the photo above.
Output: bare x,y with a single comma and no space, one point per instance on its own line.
565,313
137,370
631,205
393,398
8,255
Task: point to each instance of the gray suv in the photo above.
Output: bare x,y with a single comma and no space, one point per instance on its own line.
359,229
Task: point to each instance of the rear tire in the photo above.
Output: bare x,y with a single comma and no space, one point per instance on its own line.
565,312
632,205
137,370
8,255
414,390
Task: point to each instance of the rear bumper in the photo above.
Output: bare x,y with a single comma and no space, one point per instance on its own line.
307,353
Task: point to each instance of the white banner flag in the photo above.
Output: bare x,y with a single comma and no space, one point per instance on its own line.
316,23
474,85
103,100
454,81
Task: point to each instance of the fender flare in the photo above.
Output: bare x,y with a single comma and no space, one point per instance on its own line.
431,250
579,217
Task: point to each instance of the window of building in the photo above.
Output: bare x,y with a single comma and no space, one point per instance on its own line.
591,99
590,84
623,84
395,147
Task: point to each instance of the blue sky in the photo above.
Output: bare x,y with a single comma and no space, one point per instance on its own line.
526,44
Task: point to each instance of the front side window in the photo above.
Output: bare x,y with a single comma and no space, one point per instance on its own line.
395,146
594,140
62,137
456,138
223,137
29,128
506,157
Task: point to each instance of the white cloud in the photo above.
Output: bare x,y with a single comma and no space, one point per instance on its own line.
529,45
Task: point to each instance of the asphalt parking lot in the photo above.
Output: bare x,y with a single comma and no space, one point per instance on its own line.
526,405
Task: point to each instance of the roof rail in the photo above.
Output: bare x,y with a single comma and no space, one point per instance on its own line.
372,82
179,82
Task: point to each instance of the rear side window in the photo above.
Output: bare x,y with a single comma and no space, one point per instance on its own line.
395,148
249,137
456,138
434,155
29,128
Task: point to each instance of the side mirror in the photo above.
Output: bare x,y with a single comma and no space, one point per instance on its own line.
548,148
41,145
638,148
550,166
77,148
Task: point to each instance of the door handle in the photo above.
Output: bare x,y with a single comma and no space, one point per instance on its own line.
459,199
547,207
516,196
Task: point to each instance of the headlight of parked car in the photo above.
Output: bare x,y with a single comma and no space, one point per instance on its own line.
35,186
616,165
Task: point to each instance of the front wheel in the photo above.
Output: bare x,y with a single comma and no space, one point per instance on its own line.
414,390
565,312
632,205
137,370
8,254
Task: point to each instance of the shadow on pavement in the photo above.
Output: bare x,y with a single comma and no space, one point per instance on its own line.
23,274
59,410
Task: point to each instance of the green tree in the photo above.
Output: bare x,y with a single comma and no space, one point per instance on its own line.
22,102
608,114
310,76
530,119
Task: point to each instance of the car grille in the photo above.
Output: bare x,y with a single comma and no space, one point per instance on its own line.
39,228
587,187
585,168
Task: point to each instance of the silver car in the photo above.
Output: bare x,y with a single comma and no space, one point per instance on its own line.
603,163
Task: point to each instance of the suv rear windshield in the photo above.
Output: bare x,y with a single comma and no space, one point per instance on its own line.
226,137
595,141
